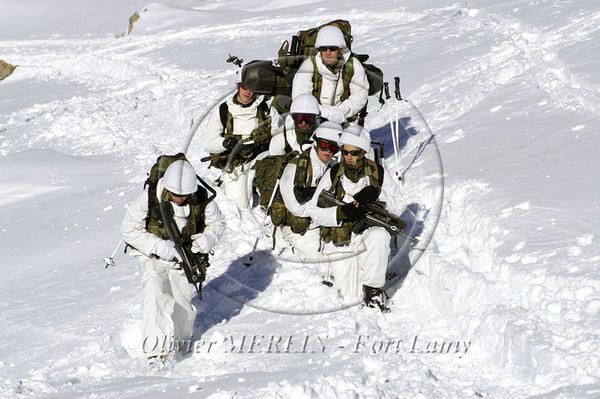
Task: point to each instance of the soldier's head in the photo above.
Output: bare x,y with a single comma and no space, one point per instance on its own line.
244,94
180,181
305,113
355,142
330,42
326,139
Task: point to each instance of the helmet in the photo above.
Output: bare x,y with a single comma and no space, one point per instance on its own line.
357,136
330,35
329,131
180,178
259,76
305,104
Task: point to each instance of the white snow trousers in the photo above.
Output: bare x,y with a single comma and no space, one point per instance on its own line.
363,262
237,186
167,311
305,246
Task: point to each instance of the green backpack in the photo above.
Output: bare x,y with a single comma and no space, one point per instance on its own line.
268,171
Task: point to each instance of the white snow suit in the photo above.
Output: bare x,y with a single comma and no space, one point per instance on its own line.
238,184
332,88
286,134
364,261
167,312
306,245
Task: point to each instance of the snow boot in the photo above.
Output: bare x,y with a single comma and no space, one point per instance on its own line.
375,298
160,364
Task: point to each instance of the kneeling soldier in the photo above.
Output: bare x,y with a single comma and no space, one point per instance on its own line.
297,186
357,181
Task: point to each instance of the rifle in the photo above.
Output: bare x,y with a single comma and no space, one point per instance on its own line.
215,158
240,154
194,265
376,215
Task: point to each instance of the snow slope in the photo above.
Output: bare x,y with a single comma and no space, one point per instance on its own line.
509,284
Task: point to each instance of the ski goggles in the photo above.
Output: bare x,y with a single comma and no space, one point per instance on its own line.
307,119
329,48
354,153
325,145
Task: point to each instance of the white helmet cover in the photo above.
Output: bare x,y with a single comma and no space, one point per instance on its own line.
305,104
180,178
329,131
330,35
361,140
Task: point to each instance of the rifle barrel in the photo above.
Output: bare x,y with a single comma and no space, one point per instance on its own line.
375,208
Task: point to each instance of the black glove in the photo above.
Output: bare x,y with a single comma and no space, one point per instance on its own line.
350,212
229,143
248,151
367,195
304,194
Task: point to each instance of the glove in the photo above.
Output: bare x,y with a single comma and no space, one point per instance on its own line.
304,194
333,114
350,212
200,243
229,143
247,151
367,195
165,249
259,134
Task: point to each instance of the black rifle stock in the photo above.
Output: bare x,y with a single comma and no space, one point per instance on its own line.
376,215
193,272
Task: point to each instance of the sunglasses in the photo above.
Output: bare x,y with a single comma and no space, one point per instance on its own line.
354,153
308,119
329,48
325,145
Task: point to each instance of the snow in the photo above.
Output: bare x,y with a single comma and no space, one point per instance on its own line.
500,299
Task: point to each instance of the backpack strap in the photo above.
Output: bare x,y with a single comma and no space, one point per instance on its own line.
303,175
347,74
317,79
288,148
226,119
263,116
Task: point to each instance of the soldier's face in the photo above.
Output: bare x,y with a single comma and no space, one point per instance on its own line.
177,199
326,150
330,55
245,95
352,154
324,155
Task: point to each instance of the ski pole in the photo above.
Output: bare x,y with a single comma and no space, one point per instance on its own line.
110,261
397,131
271,199
392,125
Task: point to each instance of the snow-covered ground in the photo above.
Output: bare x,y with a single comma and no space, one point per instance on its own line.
504,302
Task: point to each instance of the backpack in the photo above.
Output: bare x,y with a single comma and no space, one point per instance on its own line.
268,171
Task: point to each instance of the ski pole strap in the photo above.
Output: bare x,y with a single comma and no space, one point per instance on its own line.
397,88
386,87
